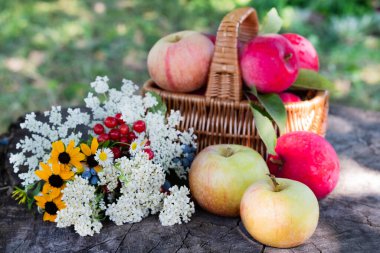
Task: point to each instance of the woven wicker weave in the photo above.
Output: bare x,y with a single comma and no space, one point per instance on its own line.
220,115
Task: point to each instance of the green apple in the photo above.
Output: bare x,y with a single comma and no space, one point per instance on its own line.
281,213
220,174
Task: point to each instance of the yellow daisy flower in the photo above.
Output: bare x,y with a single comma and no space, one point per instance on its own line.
51,204
55,176
90,152
68,156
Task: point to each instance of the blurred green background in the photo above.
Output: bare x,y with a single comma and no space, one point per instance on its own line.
51,50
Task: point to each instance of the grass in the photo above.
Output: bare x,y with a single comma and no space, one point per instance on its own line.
51,50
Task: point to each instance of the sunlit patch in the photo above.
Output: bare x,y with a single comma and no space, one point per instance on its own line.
100,7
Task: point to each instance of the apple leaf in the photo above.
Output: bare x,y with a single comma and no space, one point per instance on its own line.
310,79
272,22
260,109
266,130
160,106
274,106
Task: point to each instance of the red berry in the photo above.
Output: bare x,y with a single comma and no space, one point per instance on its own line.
103,137
149,152
124,141
98,129
131,136
110,122
119,120
114,134
116,152
139,126
124,129
147,143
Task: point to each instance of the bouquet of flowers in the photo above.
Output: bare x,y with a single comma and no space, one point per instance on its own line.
111,160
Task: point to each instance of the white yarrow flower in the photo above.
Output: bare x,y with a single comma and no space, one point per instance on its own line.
81,208
178,207
149,101
43,130
109,177
101,84
140,193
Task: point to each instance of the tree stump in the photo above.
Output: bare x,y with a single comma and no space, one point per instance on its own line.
349,217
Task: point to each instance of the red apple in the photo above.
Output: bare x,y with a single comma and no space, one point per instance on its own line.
180,61
307,158
211,37
307,55
220,174
288,97
270,63
240,48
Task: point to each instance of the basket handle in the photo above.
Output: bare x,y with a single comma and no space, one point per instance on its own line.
224,80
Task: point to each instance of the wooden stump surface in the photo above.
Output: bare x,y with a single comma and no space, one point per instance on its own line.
349,217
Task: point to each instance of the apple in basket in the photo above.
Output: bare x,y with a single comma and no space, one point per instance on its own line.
308,158
270,63
220,174
180,62
211,37
288,97
307,55
282,213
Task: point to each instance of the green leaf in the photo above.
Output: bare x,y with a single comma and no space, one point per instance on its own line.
260,109
30,203
272,22
33,193
309,79
160,107
274,107
38,188
106,144
266,130
89,140
19,195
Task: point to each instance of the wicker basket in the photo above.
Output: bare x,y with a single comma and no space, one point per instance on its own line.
220,114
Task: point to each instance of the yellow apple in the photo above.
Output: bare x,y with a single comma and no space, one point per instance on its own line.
283,215
220,174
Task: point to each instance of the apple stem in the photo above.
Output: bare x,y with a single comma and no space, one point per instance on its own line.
276,161
176,38
274,181
228,152
288,56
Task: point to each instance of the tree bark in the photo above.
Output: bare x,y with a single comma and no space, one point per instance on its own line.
349,217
